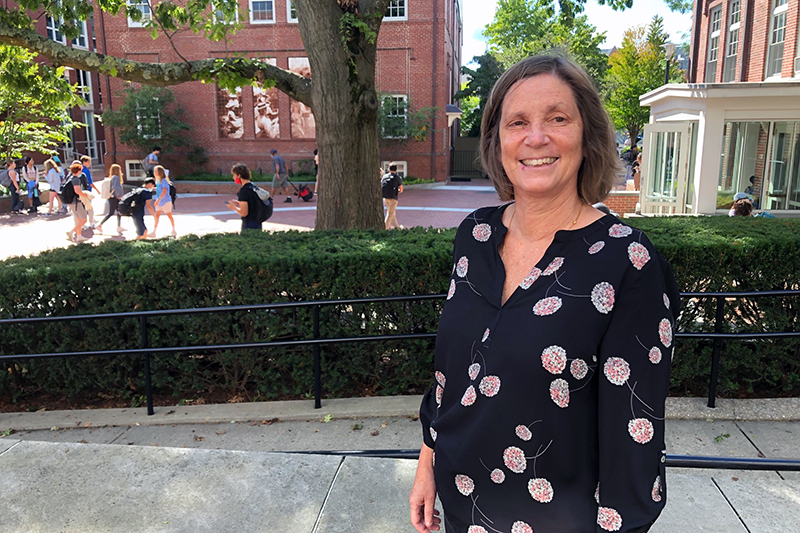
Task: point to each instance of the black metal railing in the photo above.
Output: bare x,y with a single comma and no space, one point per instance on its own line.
145,351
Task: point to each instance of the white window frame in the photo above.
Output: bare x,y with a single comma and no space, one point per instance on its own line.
715,19
83,36
266,21
54,29
289,18
146,16
779,11
402,167
231,22
396,6
91,135
141,131
732,41
397,97
84,83
134,170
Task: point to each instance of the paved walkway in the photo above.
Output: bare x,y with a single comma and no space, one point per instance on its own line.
436,205
215,468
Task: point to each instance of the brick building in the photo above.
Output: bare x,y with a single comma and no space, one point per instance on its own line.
418,62
738,117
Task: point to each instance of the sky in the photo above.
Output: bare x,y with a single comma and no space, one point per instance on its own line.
478,13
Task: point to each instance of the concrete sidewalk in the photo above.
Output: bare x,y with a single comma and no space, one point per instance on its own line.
215,468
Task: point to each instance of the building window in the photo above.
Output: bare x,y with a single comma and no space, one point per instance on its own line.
134,170
291,11
401,167
148,123
53,27
732,44
144,8
395,109
713,44
81,41
85,86
396,10
91,138
220,16
262,11
777,36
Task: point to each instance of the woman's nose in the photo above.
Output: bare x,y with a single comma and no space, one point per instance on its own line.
536,134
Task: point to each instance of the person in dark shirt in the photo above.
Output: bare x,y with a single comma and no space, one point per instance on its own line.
391,186
138,212
246,203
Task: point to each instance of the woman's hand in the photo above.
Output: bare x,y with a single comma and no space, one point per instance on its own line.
423,495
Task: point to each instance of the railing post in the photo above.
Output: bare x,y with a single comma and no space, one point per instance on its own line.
148,384
712,388
317,363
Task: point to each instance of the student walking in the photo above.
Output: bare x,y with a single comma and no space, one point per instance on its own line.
54,175
281,180
391,186
86,161
116,194
247,200
163,201
74,193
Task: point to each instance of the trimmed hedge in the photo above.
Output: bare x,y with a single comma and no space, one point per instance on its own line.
707,254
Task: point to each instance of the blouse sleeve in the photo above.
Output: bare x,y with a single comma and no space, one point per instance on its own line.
635,355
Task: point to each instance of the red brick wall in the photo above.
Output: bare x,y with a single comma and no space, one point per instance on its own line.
753,39
622,202
404,66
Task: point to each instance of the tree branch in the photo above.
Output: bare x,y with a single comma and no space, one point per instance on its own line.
158,74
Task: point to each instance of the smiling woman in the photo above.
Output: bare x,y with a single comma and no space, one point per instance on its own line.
552,364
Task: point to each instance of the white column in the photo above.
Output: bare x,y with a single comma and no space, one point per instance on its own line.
707,166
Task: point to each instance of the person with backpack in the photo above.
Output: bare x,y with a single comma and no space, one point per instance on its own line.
151,161
391,186
163,199
54,175
11,181
248,203
132,205
73,195
116,193
86,161
31,177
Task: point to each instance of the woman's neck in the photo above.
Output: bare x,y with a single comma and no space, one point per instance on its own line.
539,220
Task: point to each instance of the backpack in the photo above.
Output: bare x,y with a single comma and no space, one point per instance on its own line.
64,178
173,193
105,189
5,179
305,193
131,202
67,193
265,204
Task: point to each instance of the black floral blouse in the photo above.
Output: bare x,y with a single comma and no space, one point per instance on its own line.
547,413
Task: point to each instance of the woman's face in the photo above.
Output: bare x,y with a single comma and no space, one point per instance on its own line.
541,138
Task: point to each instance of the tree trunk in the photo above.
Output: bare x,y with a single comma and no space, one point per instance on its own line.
345,105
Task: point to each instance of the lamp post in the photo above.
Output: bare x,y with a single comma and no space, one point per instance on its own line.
669,49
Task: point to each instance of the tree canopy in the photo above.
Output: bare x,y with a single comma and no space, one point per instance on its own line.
478,87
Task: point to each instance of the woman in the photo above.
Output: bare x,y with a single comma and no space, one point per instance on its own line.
79,184
31,177
163,199
742,206
246,203
53,174
529,426
15,187
113,201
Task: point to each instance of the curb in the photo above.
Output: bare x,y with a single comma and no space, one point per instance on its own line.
770,409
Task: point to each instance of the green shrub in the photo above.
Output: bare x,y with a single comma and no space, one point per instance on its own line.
707,254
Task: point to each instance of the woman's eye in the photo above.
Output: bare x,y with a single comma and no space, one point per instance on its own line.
560,120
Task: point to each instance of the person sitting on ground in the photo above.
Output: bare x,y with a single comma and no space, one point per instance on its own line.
742,206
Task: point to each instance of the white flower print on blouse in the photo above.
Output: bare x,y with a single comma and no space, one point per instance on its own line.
609,519
597,494
452,291
433,434
656,494
578,368
654,355
498,476
440,379
619,231
641,430
521,527
665,332
464,484
476,529
473,371
439,395
482,232
638,255
489,386
547,306
666,300
514,459
554,359
541,490
485,335
617,370
596,247
523,432
462,267
554,265
603,297
530,279
559,392
469,396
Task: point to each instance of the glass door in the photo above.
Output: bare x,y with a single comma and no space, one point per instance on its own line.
665,156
